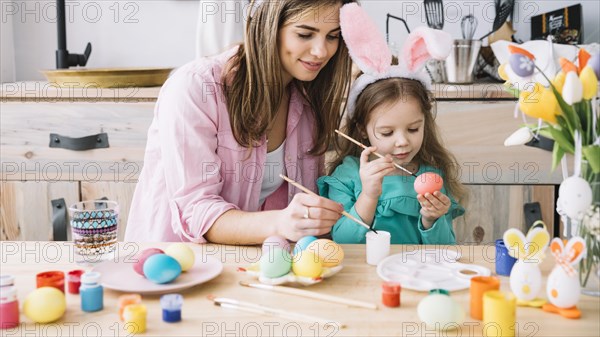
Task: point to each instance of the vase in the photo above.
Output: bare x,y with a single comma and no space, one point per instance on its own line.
589,230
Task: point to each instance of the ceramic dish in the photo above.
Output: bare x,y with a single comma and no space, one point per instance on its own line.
108,77
290,278
428,269
120,276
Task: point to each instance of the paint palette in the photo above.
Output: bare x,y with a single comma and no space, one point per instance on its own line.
427,269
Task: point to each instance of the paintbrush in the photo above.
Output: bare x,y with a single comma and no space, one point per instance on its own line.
310,294
344,213
375,153
264,310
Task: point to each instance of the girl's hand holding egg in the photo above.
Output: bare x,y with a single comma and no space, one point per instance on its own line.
434,203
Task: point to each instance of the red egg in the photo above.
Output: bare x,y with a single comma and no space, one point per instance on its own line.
142,257
428,183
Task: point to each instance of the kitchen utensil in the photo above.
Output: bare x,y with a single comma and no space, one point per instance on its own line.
461,61
434,13
468,26
503,11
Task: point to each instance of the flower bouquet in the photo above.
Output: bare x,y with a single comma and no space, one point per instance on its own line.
566,107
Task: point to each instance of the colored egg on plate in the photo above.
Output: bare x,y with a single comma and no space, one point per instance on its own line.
307,264
161,268
428,182
275,263
303,243
183,254
330,253
141,258
275,241
45,305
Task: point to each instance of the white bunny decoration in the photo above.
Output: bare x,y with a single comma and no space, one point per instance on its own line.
563,288
525,276
371,54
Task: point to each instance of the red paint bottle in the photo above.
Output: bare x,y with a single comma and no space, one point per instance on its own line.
390,294
9,305
54,279
74,281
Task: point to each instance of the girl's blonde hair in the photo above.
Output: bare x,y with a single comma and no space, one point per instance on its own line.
432,152
253,85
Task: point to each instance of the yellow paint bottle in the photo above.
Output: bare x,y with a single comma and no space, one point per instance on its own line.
499,314
134,316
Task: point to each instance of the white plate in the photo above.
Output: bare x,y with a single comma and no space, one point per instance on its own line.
290,278
426,269
120,276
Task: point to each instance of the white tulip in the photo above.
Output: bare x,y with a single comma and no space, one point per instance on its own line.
519,137
572,91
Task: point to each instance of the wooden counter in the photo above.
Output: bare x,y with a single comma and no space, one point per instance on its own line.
51,92
357,280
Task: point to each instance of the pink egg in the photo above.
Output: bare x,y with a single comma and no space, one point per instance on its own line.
275,241
142,257
428,182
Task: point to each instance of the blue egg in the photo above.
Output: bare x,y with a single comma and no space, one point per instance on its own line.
521,65
161,268
303,243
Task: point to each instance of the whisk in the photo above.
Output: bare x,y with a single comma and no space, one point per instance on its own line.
468,25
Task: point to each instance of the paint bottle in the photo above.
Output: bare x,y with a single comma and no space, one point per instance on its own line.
91,292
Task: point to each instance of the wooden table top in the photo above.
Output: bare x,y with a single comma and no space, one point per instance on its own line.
357,280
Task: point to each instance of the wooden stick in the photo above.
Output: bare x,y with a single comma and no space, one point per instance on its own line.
264,310
310,294
344,213
375,153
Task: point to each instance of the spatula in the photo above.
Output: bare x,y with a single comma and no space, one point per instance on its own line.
434,13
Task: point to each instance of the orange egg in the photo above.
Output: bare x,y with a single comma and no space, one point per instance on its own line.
428,182
330,253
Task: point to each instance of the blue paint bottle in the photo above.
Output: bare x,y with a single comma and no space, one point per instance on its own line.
91,292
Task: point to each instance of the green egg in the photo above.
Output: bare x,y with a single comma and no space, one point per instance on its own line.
275,263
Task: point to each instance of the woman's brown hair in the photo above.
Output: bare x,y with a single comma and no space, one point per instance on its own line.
432,152
253,85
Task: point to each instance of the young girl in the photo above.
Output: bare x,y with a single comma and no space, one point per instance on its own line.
389,110
225,127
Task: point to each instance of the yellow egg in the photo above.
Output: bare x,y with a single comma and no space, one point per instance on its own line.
45,305
331,253
307,264
183,254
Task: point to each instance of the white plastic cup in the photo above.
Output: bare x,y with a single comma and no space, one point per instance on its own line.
378,246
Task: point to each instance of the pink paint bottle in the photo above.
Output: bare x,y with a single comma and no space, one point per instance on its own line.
9,305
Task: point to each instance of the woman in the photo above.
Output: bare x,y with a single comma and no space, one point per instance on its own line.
225,128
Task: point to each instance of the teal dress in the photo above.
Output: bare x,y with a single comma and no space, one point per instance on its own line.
397,209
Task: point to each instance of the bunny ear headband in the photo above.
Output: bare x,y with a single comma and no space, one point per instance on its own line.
371,54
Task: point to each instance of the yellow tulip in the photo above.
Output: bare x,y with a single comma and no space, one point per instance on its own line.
559,81
539,103
589,82
502,72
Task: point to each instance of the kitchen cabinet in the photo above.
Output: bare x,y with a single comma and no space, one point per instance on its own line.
33,173
474,120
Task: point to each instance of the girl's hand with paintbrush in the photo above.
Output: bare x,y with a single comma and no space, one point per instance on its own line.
371,177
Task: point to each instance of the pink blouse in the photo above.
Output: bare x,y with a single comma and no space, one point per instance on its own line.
194,170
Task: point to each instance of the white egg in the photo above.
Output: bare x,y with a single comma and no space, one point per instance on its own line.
440,312
576,196
563,290
526,280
